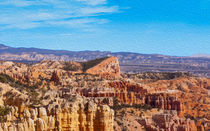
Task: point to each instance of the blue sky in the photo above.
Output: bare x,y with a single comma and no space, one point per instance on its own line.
171,27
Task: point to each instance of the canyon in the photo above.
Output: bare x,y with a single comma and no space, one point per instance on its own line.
96,96
129,62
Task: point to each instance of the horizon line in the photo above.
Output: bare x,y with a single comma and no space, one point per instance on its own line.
194,55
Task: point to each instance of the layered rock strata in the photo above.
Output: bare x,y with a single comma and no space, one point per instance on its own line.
44,71
77,116
169,121
164,101
108,68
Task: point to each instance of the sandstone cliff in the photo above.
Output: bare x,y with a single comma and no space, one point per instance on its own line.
74,113
42,72
106,68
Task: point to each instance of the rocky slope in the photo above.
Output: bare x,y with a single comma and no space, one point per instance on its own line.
153,120
95,96
73,114
56,71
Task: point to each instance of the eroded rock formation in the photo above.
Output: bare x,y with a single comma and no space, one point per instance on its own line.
164,101
68,96
168,120
79,114
108,68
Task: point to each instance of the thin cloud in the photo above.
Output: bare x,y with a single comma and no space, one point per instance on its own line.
94,2
98,10
25,3
78,23
18,3
27,25
52,13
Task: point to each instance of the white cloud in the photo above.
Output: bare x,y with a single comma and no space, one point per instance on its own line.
51,13
27,25
24,3
78,23
98,10
94,2
18,3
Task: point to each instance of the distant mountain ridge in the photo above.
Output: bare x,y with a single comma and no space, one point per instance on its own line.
201,55
129,62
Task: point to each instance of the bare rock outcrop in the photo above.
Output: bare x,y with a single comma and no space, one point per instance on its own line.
168,120
164,101
41,73
79,114
128,93
67,96
108,68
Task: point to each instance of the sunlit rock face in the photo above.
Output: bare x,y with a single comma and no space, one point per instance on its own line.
108,68
128,93
164,101
168,120
72,96
77,115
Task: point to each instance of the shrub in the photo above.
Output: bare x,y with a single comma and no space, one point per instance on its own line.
115,101
70,67
5,78
119,123
123,112
55,78
189,116
144,107
105,101
35,100
92,63
4,111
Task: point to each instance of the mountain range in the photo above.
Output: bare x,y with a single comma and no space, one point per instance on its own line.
129,62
